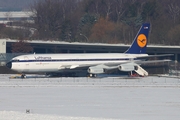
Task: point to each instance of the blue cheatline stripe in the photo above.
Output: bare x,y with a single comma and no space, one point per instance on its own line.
69,60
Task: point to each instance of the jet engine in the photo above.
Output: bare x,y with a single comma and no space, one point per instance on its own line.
97,69
128,67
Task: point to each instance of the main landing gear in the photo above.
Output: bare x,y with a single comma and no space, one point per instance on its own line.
92,75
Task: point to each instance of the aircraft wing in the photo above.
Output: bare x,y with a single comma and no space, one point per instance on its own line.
85,66
152,61
111,66
125,67
151,56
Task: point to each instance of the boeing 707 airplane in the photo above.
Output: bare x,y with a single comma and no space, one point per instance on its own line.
94,64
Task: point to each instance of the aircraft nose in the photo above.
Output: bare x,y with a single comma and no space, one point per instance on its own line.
9,65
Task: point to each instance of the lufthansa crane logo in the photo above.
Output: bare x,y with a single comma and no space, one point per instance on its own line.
141,40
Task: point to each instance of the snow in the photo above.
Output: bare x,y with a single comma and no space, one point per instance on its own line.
116,98
11,115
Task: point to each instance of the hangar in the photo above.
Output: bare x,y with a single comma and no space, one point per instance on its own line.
77,47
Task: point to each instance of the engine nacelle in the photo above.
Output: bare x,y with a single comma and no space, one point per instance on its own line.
128,67
97,69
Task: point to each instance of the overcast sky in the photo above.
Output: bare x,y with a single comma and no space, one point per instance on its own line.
15,3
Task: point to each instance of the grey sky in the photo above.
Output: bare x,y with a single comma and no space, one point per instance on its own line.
15,3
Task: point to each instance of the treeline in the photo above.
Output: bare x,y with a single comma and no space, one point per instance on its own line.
106,21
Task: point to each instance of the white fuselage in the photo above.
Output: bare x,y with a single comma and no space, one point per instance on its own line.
37,63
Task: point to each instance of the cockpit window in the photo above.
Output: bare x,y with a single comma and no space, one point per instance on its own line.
15,60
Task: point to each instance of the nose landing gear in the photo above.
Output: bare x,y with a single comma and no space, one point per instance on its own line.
23,76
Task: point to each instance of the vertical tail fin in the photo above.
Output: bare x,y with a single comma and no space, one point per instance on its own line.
140,42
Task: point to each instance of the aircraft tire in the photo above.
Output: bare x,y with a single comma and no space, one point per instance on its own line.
23,76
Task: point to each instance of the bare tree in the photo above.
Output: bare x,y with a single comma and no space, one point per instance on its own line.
8,15
119,8
174,11
21,47
48,16
53,18
108,7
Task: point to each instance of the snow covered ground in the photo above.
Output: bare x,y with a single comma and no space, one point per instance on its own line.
156,98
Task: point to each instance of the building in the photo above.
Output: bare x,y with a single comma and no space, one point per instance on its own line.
12,16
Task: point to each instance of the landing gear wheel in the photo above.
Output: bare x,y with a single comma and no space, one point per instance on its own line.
92,75
23,76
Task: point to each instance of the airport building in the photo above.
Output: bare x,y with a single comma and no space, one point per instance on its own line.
12,16
76,47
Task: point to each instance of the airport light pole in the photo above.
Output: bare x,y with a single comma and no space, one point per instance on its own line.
84,36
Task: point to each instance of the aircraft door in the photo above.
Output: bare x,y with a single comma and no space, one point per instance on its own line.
26,67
